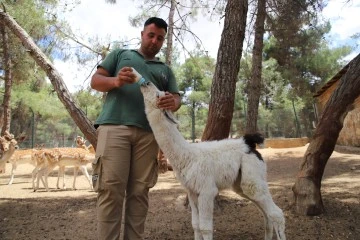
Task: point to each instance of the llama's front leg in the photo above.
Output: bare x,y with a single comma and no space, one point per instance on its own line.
193,201
206,210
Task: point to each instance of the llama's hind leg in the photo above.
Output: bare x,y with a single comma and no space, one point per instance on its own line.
193,201
254,187
274,220
273,215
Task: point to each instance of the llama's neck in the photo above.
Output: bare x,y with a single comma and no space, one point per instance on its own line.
170,140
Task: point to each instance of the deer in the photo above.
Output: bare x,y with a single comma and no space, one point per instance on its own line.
36,157
12,154
64,157
81,143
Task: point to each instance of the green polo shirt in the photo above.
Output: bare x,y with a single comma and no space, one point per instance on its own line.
125,105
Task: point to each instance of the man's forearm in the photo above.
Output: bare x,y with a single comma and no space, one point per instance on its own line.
102,83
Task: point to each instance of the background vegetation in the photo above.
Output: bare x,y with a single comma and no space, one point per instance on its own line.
297,61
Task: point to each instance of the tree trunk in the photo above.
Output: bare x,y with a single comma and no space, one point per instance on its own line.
221,104
254,86
169,44
6,110
307,185
63,93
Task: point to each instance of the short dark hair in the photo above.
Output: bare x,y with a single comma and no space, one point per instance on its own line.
159,22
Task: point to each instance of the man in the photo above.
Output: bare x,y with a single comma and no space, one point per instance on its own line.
126,155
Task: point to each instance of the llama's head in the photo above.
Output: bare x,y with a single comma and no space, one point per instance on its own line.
151,94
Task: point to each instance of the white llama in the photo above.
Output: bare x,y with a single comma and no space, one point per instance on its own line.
206,168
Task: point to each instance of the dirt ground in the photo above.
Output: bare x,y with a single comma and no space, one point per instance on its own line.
70,214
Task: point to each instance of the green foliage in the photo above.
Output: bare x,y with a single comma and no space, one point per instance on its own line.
32,16
37,24
297,61
91,102
43,111
184,119
276,110
326,62
185,13
304,62
36,110
40,108
194,79
43,101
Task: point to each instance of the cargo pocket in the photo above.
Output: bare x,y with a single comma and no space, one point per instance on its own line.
154,174
97,174
97,164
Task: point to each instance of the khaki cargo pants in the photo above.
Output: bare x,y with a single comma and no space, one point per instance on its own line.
125,167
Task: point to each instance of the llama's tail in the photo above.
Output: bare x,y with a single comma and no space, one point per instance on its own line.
251,140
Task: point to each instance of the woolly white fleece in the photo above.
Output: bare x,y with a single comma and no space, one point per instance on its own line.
207,167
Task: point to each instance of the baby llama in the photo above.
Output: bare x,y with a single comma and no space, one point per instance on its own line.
206,168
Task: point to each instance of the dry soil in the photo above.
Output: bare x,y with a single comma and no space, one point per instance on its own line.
70,214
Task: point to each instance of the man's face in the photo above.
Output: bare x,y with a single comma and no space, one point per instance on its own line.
152,39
